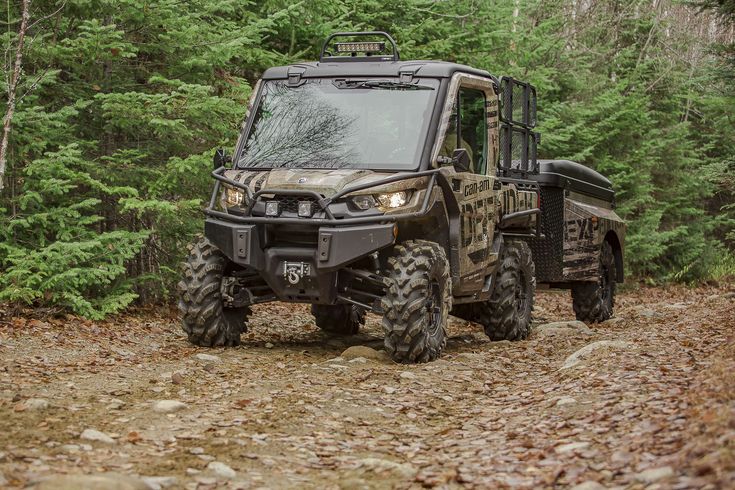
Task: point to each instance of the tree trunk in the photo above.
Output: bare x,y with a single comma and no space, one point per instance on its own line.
12,88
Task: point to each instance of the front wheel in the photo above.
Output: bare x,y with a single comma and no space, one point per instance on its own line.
418,302
593,302
339,319
507,314
205,320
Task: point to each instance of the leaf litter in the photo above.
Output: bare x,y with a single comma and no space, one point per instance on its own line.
289,409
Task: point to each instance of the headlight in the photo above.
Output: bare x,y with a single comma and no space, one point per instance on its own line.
393,199
231,197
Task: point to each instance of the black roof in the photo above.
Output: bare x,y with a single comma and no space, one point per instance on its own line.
365,68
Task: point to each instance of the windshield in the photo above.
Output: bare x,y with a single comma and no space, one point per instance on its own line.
328,123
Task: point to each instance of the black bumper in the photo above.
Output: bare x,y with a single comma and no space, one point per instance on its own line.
319,280
336,247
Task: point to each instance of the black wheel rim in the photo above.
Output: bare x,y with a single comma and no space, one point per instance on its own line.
434,308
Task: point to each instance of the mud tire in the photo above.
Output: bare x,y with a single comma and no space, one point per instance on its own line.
507,314
594,302
418,302
339,319
205,320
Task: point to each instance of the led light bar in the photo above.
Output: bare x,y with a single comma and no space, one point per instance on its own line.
371,47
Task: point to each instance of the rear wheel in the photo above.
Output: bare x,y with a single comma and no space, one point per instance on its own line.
593,302
418,302
507,314
339,319
205,319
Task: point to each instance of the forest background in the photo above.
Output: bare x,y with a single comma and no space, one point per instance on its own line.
114,109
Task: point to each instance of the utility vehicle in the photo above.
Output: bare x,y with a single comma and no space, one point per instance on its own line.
407,188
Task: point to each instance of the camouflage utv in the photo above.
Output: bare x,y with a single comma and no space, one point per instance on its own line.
407,188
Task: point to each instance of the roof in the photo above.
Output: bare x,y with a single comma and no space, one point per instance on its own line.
363,68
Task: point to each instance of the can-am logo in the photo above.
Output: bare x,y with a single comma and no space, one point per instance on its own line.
302,180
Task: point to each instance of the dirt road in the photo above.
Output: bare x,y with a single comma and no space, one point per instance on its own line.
651,407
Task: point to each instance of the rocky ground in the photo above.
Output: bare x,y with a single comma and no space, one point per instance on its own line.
645,400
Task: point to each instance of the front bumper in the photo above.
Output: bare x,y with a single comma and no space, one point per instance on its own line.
335,248
317,276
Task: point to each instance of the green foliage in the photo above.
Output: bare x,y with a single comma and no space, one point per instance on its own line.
122,102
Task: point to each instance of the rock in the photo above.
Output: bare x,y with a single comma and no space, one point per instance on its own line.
654,474
102,481
676,306
565,400
405,470
208,358
407,375
358,360
389,389
33,404
588,349
612,321
362,351
196,450
95,435
177,379
205,480
221,470
572,446
268,345
168,406
159,482
562,328
648,313
70,448
588,485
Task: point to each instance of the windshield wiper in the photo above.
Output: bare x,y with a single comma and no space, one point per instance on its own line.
380,84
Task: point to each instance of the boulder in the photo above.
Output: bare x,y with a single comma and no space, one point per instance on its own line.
168,406
33,404
95,435
221,470
589,349
208,357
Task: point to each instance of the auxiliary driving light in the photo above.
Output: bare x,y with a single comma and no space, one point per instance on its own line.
272,209
306,209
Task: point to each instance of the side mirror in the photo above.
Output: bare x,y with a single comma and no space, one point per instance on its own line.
221,158
461,160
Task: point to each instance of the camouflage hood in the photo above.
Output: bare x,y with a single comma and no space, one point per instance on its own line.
324,181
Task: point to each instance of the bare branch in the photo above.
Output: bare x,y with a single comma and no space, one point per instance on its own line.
12,87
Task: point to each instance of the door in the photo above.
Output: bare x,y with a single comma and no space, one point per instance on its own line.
468,128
